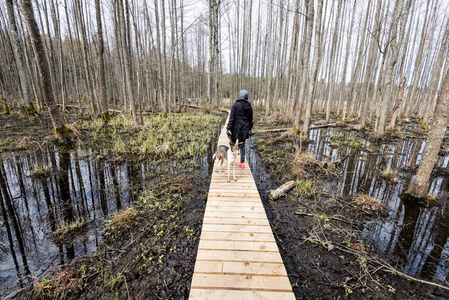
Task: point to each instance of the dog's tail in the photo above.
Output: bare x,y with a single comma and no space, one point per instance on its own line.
213,157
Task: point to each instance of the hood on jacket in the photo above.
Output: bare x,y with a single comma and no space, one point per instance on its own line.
243,95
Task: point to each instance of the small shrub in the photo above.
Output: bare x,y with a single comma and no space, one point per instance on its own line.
69,227
40,171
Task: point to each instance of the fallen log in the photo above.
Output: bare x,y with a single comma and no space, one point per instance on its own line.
270,130
323,126
282,190
286,129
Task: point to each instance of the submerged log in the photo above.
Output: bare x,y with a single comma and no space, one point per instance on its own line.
282,190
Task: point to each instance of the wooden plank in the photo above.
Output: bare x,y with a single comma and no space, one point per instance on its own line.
234,203
230,267
227,208
198,293
245,256
242,215
236,186
233,199
241,221
237,228
267,283
223,180
237,236
243,194
238,245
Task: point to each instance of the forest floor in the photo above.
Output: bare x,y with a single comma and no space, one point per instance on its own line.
149,249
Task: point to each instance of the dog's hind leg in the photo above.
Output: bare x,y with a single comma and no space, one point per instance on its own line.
222,168
216,164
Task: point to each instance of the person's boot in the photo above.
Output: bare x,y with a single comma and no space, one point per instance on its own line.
241,165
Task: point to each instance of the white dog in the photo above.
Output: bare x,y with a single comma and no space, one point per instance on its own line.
228,153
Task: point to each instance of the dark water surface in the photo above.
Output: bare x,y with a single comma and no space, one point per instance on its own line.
77,184
416,236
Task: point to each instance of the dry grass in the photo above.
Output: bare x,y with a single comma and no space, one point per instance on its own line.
432,201
389,175
369,203
57,285
121,220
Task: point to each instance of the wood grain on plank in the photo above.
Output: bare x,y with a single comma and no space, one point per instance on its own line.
223,294
267,283
245,256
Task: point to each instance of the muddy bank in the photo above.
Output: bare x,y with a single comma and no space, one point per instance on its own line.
344,231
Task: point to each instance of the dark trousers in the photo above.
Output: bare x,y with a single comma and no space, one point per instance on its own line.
242,152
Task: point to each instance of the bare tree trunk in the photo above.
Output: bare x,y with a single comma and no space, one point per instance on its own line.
18,55
419,60
315,65
127,60
345,64
436,74
418,187
103,102
305,63
332,63
389,79
44,72
87,73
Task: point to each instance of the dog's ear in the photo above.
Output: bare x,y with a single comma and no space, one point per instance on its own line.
231,144
240,144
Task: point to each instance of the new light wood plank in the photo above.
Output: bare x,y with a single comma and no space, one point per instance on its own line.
243,194
237,228
235,198
235,221
235,203
197,293
228,208
244,215
237,236
242,256
267,283
238,245
230,267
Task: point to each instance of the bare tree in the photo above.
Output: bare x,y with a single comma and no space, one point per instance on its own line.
44,72
101,67
418,187
18,55
315,64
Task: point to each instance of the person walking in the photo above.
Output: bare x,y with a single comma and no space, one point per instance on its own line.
240,123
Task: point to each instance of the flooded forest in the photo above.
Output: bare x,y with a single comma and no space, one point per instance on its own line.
110,113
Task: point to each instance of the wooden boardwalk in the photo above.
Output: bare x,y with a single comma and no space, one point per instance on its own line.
237,255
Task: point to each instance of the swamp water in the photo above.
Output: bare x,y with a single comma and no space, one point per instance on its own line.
48,188
416,236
